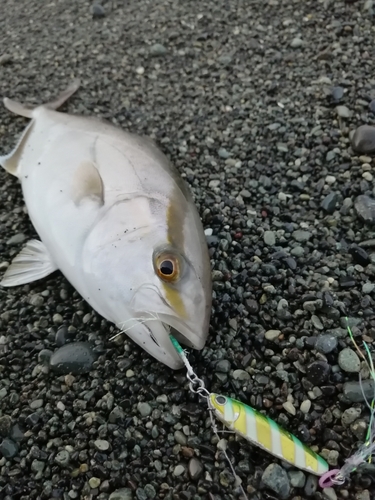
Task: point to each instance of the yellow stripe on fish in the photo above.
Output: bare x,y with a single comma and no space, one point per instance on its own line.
265,433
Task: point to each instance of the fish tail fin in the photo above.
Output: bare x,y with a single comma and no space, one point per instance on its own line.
21,110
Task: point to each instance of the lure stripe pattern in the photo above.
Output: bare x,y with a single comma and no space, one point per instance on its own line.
264,432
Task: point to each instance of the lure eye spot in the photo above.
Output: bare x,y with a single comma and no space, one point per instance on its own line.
221,400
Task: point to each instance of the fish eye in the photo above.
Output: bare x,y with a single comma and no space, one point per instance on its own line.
221,400
167,267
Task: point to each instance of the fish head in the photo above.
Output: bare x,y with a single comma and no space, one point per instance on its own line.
222,407
155,276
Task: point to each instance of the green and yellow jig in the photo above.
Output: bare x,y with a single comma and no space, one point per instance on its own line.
254,426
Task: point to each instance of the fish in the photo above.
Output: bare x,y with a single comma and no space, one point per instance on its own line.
116,218
265,433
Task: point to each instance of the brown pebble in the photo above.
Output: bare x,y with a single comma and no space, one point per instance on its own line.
187,452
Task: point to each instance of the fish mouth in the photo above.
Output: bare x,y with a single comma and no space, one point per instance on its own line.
153,335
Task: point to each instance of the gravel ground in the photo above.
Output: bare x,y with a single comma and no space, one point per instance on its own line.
255,102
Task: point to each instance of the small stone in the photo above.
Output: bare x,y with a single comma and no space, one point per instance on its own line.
367,176
272,334
372,103
101,445
349,361
360,256
57,319
301,236
75,358
94,482
318,372
62,335
329,494
44,356
8,448
289,407
269,238
343,112
297,478
223,366
353,391
37,403
315,320
122,494
326,343
180,438
311,485
305,406
5,425
337,93
296,43
241,375
363,495
363,140
158,50
37,466
329,203
4,59
150,491
330,179
97,11
16,239
62,458
144,409
178,470
276,479
350,415
195,468
368,287
36,300
365,208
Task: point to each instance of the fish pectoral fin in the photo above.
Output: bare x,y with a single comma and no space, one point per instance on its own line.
31,264
87,183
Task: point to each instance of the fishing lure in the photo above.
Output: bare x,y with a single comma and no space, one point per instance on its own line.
254,426
367,449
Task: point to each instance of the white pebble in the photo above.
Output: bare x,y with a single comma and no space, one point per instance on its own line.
367,176
330,179
289,407
305,406
272,334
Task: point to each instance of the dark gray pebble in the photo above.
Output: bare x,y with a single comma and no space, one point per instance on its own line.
363,140
5,425
326,343
74,358
276,479
8,448
97,11
337,93
365,208
353,392
311,485
318,372
329,203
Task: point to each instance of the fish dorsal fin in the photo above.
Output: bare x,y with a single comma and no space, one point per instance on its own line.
22,110
87,183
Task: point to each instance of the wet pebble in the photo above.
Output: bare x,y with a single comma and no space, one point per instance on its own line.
350,415
5,425
326,343
122,494
318,372
8,448
158,50
272,334
195,468
102,445
144,409
363,139
276,479
178,470
329,203
269,238
365,208
337,93
343,111
97,11
297,478
75,358
62,458
349,361
311,485
301,236
353,392
223,366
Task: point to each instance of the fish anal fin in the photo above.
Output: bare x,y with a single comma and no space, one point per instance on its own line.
31,264
10,161
87,183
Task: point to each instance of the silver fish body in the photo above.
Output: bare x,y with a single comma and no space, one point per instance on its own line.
115,217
